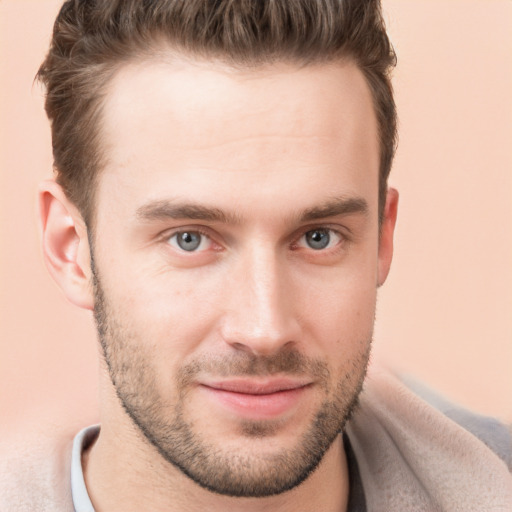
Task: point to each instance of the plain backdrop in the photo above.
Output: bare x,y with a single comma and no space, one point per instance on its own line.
445,314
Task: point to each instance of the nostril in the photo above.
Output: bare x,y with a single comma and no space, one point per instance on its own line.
263,346
241,347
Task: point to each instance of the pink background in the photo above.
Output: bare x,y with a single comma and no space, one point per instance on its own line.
445,315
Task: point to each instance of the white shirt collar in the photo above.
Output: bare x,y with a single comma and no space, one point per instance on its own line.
81,500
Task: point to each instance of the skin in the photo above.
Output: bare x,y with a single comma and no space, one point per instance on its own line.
271,154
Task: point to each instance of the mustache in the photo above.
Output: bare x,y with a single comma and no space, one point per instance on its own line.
289,362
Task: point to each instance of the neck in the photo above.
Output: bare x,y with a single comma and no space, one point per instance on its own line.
123,473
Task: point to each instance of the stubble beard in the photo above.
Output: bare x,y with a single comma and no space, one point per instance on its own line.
226,472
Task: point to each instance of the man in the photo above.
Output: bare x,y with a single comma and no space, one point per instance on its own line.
221,204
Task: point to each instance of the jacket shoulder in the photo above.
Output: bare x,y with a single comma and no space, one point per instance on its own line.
493,433
34,474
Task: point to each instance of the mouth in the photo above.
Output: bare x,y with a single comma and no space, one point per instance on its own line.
257,399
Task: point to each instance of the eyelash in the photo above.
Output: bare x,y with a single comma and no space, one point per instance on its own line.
195,230
343,238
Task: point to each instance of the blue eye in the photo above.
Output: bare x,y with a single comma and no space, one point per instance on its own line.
189,241
318,239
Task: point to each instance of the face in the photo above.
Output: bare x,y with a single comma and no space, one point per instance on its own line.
236,261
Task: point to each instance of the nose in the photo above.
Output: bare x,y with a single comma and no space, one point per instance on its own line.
259,317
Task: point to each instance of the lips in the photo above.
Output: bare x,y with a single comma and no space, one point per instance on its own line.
257,399
255,387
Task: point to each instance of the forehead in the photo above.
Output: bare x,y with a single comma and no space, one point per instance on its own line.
173,123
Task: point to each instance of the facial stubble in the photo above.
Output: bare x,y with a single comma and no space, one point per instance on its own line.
213,467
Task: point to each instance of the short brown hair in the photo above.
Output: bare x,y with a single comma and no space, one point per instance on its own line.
93,38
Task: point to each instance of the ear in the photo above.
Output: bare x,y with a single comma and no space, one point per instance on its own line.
65,244
387,230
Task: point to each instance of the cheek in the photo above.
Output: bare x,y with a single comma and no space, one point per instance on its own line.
168,312
341,313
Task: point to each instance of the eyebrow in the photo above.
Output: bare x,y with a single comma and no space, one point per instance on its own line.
168,209
336,207
164,209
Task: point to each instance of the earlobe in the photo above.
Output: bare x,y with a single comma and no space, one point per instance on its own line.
387,231
65,244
